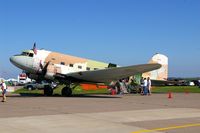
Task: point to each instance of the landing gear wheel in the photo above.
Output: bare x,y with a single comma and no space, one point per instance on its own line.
67,92
48,91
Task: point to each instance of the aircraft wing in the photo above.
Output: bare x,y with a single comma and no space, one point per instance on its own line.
109,74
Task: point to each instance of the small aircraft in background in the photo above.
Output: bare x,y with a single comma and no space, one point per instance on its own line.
67,69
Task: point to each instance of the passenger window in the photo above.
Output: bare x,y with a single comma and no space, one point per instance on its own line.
80,67
71,65
88,68
62,63
95,68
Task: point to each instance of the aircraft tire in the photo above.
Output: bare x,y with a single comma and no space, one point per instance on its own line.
67,92
48,91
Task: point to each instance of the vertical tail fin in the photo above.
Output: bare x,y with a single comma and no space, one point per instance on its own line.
159,74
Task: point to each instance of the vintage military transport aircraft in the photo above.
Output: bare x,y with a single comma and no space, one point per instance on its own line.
67,69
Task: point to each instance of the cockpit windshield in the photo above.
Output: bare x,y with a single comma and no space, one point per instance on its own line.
27,54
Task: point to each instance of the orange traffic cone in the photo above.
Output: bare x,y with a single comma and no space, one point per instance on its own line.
169,95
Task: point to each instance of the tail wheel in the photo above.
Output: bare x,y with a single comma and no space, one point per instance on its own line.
66,91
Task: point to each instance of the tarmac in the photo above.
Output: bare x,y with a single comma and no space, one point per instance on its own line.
101,113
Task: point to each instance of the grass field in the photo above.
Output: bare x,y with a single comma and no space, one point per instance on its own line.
57,91
178,89
79,90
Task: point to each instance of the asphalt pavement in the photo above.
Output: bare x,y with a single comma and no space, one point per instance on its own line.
101,113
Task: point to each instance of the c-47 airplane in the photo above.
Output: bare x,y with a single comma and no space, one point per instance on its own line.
43,64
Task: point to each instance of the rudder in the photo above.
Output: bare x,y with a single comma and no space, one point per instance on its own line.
159,74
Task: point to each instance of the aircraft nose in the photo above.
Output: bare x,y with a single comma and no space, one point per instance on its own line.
22,62
12,59
17,61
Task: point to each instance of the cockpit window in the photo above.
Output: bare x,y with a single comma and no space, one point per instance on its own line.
30,54
24,53
27,54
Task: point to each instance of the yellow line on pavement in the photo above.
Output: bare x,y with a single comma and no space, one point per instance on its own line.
167,128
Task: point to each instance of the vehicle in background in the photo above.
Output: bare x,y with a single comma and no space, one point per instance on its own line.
196,82
199,83
23,79
191,83
41,85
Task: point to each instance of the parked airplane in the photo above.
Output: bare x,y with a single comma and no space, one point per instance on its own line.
67,69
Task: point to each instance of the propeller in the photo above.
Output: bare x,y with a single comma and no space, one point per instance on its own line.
44,68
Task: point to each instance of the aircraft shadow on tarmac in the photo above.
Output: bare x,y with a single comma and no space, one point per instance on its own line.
73,96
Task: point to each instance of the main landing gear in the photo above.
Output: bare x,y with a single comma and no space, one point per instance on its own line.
66,91
48,90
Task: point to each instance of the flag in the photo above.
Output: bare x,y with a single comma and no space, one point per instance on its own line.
34,48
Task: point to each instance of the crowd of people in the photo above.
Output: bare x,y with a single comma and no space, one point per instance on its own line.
127,85
119,87
146,86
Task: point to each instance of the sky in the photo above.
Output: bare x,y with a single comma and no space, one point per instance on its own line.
125,32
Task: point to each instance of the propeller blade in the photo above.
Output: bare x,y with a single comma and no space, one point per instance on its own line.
41,66
44,68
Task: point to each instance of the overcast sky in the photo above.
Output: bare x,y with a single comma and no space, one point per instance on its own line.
125,32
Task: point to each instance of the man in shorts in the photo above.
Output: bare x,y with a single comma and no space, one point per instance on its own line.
3,88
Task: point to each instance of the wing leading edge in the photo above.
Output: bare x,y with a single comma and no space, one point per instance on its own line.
110,74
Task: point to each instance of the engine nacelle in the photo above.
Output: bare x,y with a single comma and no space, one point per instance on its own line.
51,71
49,75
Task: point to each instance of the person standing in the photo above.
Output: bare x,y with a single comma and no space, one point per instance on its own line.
121,87
149,85
142,86
3,88
145,86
